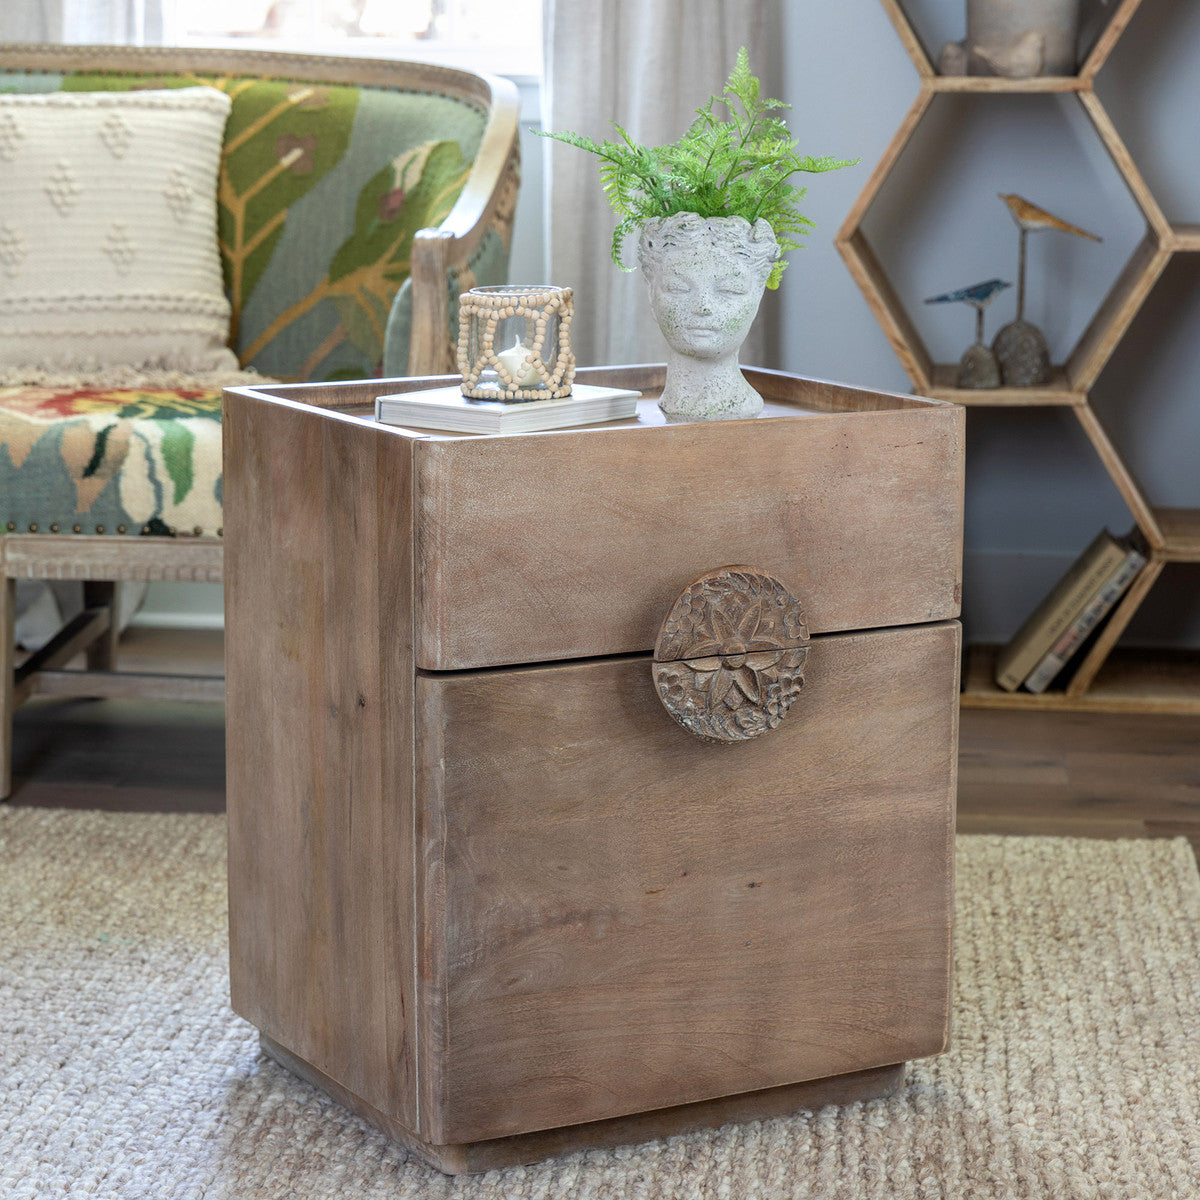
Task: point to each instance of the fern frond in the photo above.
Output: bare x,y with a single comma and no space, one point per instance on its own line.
737,166
623,230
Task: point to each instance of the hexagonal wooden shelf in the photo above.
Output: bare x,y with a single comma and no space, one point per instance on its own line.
1127,684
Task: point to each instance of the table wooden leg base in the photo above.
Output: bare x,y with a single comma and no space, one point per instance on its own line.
473,1157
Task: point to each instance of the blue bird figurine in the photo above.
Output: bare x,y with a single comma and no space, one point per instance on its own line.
978,367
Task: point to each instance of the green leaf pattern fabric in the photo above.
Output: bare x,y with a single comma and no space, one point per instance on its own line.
321,189
320,193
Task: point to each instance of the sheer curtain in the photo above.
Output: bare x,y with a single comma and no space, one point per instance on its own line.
130,22
646,64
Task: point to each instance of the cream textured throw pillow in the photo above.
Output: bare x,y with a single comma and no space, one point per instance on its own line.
108,231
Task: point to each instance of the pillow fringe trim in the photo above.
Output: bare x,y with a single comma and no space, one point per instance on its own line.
124,376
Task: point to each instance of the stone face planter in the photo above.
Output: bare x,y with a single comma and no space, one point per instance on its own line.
706,277
1002,28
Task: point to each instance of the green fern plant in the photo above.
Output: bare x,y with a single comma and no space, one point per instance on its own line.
736,166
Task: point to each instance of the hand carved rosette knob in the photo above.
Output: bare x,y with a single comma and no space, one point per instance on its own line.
730,657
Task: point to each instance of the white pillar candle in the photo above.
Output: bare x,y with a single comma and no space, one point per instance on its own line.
514,361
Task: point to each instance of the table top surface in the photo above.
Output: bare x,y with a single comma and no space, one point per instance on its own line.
785,396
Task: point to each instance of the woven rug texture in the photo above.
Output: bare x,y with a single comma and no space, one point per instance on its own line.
1074,1069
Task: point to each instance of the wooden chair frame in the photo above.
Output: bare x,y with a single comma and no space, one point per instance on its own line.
103,562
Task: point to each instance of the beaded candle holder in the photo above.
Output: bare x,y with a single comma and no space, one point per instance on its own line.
514,342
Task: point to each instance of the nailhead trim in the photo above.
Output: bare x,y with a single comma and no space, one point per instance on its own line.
55,527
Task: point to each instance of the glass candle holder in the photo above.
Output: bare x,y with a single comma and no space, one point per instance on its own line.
514,342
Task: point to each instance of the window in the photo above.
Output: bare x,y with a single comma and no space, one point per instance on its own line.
505,39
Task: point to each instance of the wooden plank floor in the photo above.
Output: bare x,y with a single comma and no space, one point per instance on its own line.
1082,775
128,755
1079,774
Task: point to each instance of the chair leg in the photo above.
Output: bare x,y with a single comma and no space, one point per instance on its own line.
8,611
102,653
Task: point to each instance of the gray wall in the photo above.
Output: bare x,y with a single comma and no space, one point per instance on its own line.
1036,492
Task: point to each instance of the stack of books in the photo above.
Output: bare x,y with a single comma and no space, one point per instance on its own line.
1073,611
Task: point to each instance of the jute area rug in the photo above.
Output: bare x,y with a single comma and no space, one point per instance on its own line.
1074,1072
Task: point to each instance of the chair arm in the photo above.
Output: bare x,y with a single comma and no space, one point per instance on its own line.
435,252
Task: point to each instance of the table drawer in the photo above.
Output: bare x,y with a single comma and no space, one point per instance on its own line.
616,916
575,544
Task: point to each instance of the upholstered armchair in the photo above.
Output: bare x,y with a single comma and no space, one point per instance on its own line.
347,203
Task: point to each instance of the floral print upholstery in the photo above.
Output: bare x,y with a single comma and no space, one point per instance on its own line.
111,460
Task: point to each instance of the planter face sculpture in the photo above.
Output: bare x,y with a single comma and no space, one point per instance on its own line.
715,213
706,277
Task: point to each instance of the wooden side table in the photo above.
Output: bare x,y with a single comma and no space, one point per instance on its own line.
487,887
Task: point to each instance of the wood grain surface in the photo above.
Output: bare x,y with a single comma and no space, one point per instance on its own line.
575,544
319,747
619,917
490,902
497,1153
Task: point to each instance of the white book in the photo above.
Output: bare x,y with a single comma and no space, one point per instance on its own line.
448,409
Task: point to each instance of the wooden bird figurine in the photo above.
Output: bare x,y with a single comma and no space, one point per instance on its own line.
1030,218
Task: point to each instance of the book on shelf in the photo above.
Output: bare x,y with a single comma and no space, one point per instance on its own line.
1088,620
447,408
1058,610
